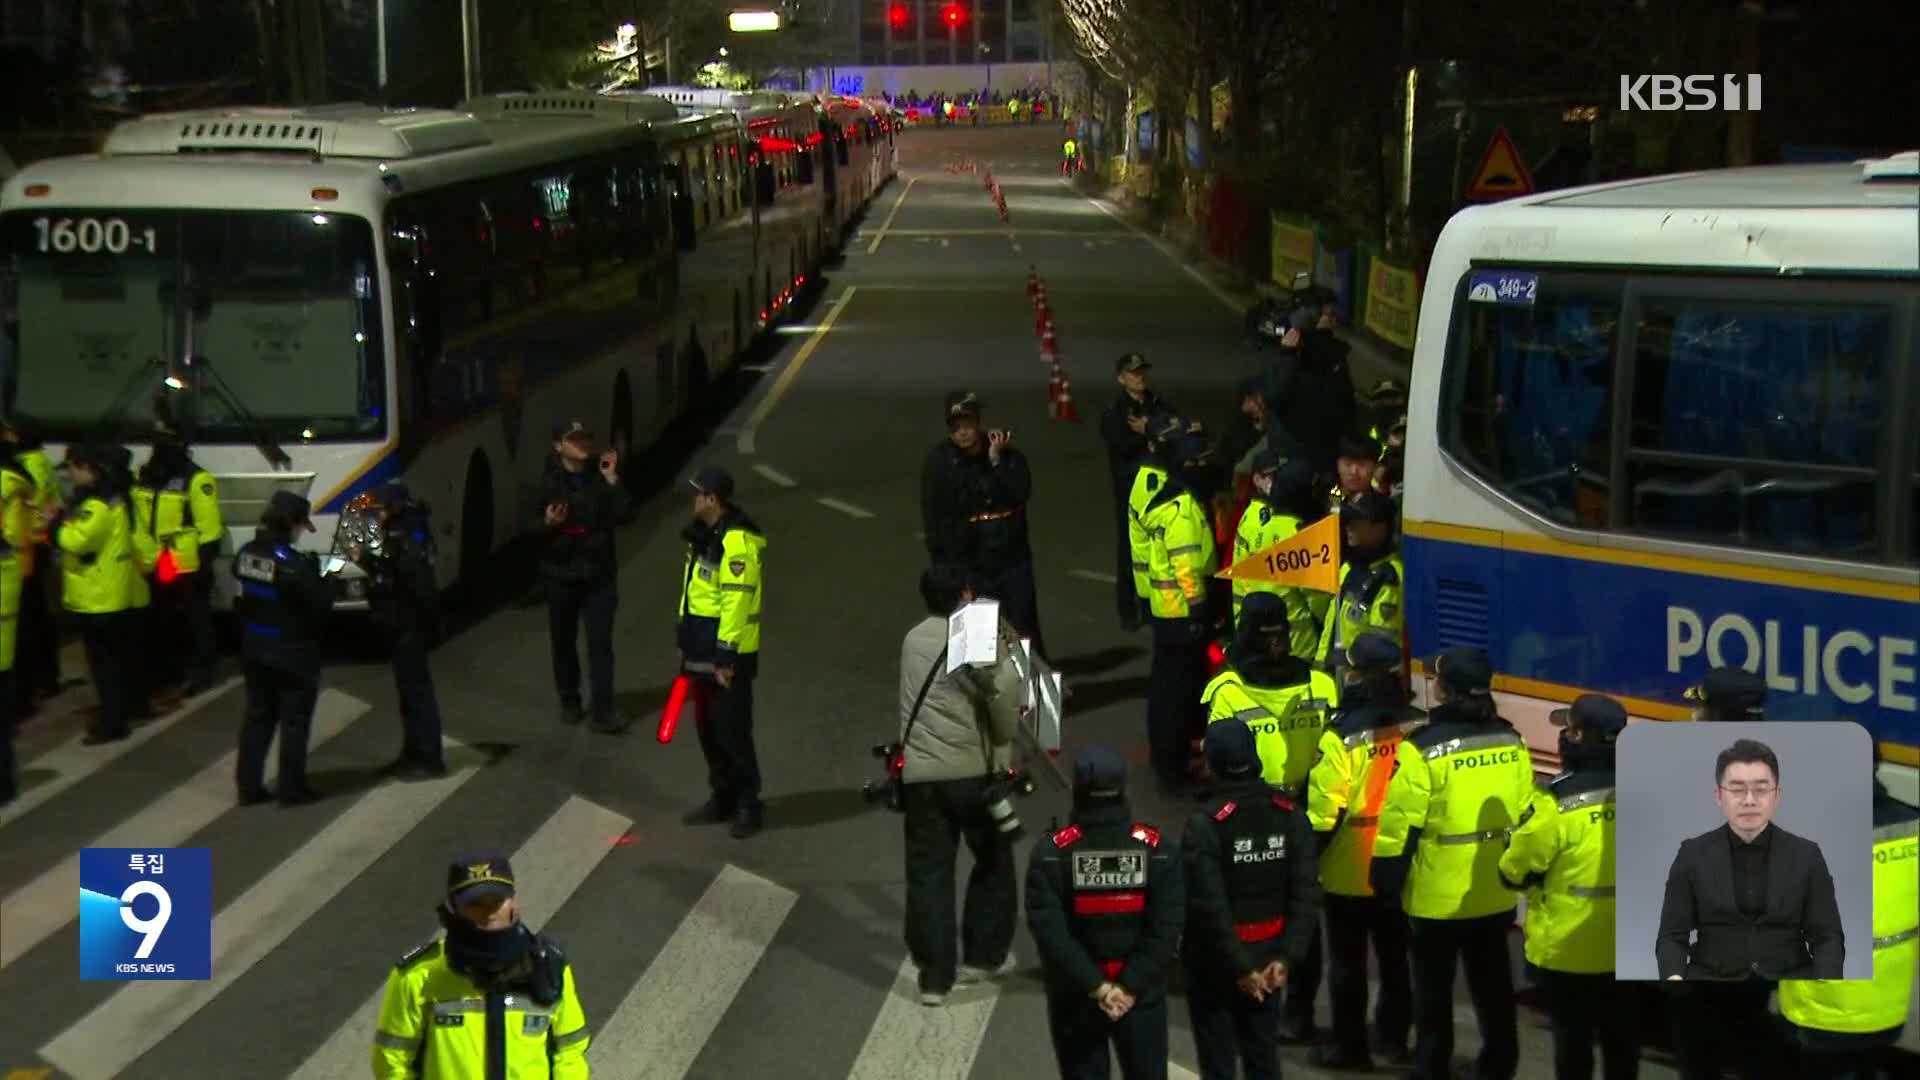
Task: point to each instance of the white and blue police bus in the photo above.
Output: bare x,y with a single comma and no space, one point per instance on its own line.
333,297
1667,424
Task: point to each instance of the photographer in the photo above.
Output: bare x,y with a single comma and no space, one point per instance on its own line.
957,731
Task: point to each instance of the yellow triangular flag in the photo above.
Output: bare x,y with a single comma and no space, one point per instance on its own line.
1309,559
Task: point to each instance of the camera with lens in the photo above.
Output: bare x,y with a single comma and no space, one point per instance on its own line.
998,797
887,791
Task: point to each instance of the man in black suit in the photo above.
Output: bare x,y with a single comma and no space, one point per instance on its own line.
1758,903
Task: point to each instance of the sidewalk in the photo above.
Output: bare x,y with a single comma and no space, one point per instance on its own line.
1368,363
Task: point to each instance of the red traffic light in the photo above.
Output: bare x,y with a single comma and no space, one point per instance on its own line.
954,14
897,15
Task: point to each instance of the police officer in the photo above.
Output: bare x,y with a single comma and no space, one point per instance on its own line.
1359,458
974,488
1729,694
1106,905
38,667
1253,909
1174,562
404,596
17,510
1274,694
1372,578
1387,415
490,998
1459,784
1844,1029
1282,505
1346,791
282,610
176,504
1562,855
103,588
719,635
1125,429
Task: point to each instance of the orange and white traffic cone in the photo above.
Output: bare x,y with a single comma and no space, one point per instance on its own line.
1064,409
1040,296
1049,345
1053,392
1033,281
1042,316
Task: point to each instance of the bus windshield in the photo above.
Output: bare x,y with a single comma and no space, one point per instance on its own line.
241,325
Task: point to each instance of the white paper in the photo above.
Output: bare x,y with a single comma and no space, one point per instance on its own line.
973,635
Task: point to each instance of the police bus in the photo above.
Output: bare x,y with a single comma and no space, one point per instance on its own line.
1673,423
333,297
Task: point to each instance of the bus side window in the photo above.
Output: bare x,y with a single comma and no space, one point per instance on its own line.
1757,420
1528,404
685,232
417,318
1913,507
840,136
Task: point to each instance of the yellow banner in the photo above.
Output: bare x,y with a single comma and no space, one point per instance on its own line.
1292,252
1393,302
1309,559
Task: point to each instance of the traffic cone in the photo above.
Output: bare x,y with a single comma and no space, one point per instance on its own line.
1040,297
1033,281
1065,409
1053,392
1042,315
1049,345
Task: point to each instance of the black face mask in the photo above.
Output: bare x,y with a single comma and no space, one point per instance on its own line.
483,953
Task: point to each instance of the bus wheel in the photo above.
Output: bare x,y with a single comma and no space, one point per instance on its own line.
476,529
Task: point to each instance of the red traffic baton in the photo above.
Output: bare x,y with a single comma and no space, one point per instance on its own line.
676,701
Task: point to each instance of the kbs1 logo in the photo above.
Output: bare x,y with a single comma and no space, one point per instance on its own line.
1689,93
146,913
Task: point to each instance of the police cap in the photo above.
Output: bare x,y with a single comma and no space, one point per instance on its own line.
712,480
1369,506
1465,669
572,429
485,875
1265,461
1730,688
291,508
1098,767
1263,613
963,403
1230,748
1132,361
1252,386
1359,448
1597,713
1373,652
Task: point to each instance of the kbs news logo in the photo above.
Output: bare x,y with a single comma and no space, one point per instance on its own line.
1691,93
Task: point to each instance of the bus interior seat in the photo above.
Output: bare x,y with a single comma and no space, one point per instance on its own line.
1710,506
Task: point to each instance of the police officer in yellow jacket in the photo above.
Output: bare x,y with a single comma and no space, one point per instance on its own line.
38,661
176,504
1562,855
104,586
489,1000
1282,505
1845,1029
1277,695
1354,466
1372,579
1105,902
719,634
1459,784
1173,540
1346,790
16,551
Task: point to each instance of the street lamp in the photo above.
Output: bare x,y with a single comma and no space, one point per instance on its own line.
753,22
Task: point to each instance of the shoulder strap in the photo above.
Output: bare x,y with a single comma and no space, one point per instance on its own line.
921,698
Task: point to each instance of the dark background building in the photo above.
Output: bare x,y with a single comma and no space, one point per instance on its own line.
950,31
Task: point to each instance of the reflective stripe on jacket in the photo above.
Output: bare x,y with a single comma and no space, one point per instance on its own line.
433,1026
1880,1004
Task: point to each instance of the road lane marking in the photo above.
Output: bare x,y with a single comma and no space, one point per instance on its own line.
775,476
552,865
911,1039
848,509
891,214
141,1015
749,432
1177,1071
72,762
40,908
1093,575
659,1028
1186,267
928,234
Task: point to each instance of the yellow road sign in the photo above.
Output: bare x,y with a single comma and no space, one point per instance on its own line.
1309,559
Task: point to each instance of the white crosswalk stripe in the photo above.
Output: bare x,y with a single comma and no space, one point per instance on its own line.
689,1001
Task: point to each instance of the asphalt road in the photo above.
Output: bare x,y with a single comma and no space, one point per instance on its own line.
697,955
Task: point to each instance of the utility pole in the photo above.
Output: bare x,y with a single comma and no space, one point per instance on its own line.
380,47
470,48
306,52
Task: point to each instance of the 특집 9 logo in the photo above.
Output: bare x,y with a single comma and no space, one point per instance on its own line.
146,913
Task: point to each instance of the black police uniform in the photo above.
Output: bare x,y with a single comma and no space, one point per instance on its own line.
1253,897
1105,904
580,575
975,515
282,610
404,596
1125,448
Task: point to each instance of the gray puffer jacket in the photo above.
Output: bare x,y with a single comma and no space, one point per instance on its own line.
968,721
